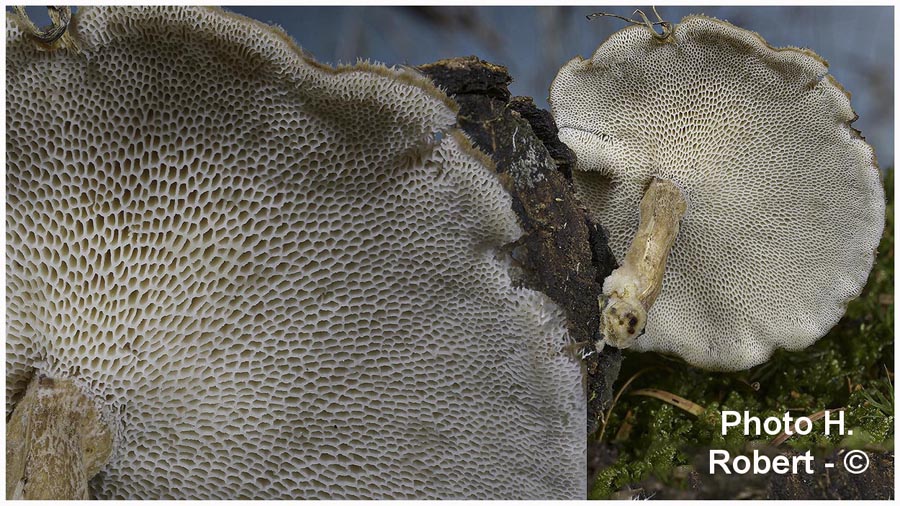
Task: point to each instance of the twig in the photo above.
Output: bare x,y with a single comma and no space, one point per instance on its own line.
666,25
781,438
670,398
615,400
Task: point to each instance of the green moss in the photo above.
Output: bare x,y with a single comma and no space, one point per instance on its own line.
848,368
611,479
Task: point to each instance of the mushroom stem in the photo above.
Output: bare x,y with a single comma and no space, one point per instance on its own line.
632,288
55,442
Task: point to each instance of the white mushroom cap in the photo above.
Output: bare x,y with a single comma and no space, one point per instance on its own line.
785,204
272,274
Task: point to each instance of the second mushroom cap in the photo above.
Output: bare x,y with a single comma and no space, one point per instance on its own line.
784,202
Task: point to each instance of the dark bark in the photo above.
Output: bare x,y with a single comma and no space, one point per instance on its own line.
563,254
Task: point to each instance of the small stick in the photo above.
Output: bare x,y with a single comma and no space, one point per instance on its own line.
670,398
784,436
615,400
667,28
56,35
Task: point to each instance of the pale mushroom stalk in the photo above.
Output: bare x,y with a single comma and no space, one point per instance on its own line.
56,441
632,288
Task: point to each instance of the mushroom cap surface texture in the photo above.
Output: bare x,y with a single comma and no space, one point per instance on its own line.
278,279
785,203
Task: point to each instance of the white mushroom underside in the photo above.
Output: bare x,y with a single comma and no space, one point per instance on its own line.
785,205
268,278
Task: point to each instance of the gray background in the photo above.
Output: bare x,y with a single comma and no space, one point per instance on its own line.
534,42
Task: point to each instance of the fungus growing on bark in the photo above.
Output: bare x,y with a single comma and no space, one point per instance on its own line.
267,278
782,201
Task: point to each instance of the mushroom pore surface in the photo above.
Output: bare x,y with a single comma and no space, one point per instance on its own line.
274,276
784,202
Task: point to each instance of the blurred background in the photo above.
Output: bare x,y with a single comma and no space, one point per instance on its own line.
534,42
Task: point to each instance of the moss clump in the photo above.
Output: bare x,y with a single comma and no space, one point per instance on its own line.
849,368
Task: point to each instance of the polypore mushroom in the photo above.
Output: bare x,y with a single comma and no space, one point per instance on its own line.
264,277
781,199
